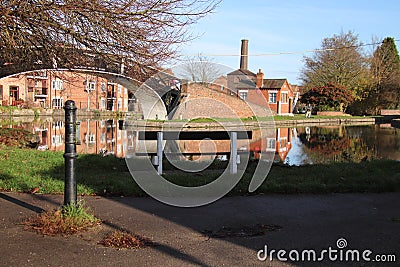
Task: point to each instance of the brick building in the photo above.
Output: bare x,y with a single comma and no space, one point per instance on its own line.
213,101
254,88
50,89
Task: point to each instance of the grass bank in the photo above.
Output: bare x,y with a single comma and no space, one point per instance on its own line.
26,170
302,117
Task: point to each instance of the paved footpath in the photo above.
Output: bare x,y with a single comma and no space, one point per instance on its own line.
228,232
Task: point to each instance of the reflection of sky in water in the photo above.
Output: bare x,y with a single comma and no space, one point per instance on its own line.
296,155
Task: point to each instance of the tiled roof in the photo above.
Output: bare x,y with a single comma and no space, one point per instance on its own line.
242,72
273,83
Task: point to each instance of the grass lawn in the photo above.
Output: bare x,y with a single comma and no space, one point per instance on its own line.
275,118
302,117
24,170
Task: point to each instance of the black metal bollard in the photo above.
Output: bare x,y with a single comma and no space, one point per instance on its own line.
70,155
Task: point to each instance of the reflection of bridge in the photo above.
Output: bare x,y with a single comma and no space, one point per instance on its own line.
158,96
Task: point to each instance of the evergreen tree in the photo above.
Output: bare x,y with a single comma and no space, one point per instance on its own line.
385,70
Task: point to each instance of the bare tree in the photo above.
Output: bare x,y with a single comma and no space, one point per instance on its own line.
143,33
200,69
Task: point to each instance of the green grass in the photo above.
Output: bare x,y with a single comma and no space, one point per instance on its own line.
23,170
276,118
66,220
79,214
302,117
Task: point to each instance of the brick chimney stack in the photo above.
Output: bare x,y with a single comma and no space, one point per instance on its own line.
260,79
244,55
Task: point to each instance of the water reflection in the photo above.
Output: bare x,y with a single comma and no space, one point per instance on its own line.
292,146
327,144
93,136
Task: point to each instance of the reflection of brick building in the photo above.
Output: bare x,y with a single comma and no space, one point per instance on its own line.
281,144
50,89
93,136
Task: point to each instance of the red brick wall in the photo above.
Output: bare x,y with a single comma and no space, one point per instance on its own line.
201,101
389,112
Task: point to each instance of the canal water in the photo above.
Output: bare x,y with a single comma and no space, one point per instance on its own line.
292,145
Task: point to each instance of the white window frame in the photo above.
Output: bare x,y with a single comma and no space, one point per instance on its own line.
243,94
57,84
271,144
284,101
103,138
59,102
57,140
57,124
270,93
103,87
90,138
90,86
283,142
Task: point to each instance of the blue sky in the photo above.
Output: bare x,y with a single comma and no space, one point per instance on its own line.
273,26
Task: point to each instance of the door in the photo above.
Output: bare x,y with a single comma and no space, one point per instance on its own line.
14,94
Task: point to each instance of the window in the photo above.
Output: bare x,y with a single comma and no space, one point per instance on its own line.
90,86
103,103
283,143
119,89
90,138
271,144
57,84
57,124
272,97
103,87
57,140
78,133
119,104
14,92
284,97
103,138
57,103
243,94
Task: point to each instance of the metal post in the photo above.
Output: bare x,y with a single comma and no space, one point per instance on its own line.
159,152
233,159
70,155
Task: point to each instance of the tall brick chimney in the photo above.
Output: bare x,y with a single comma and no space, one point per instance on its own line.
260,79
244,55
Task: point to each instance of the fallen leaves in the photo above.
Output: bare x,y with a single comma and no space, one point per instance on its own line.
119,239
